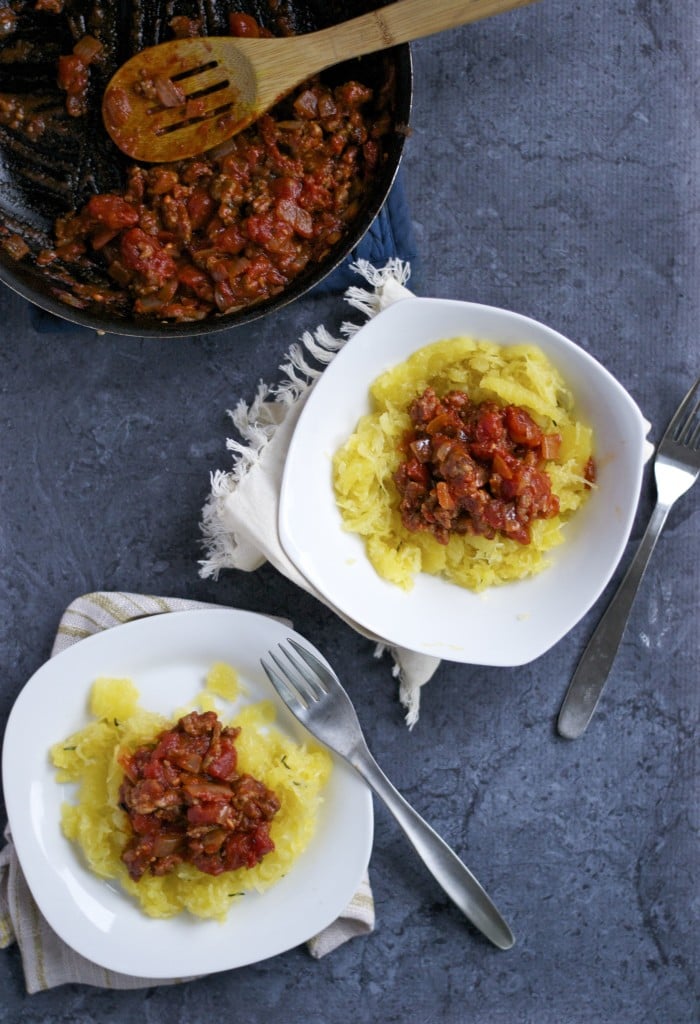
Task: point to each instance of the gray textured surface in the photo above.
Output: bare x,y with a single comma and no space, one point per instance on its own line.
553,169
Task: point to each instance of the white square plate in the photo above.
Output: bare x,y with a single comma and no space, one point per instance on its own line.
506,625
167,657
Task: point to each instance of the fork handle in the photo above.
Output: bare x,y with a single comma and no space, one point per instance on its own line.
588,681
442,862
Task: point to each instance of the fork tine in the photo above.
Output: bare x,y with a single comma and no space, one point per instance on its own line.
694,439
315,689
285,691
291,683
690,427
683,419
686,429
320,670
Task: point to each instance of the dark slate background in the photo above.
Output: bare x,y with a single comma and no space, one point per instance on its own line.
552,169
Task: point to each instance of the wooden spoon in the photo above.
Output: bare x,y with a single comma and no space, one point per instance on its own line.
183,97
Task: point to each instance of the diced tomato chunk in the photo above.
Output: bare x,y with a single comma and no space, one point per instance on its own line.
243,25
112,211
142,253
285,187
199,207
72,72
521,427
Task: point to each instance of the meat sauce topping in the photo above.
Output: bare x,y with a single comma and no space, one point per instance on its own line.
73,74
475,468
187,803
236,225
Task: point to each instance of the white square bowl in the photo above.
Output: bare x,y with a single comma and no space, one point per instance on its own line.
507,625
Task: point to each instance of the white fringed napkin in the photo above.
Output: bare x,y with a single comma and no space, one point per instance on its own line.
46,959
239,521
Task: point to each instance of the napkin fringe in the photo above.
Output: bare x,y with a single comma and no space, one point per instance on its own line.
372,302
257,421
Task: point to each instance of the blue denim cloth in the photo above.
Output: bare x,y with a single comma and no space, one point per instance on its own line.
390,234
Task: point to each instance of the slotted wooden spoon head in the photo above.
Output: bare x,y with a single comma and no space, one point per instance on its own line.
186,96
183,97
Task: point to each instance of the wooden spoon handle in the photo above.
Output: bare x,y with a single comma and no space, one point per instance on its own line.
236,80
400,22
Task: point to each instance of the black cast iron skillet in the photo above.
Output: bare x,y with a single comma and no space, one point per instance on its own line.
42,178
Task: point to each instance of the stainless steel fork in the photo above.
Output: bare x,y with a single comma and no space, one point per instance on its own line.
676,469
315,696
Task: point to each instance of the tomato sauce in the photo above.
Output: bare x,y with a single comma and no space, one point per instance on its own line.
187,803
475,468
234,226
